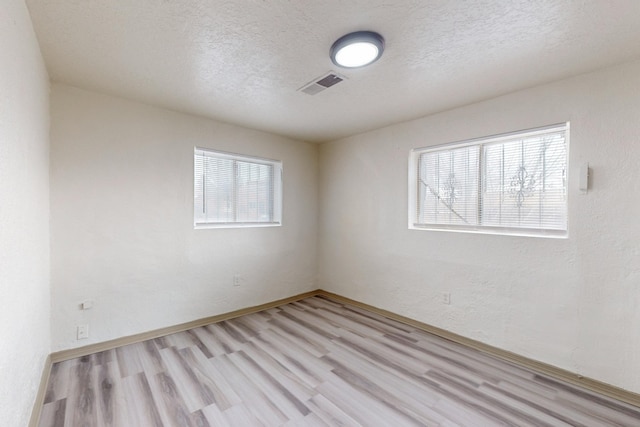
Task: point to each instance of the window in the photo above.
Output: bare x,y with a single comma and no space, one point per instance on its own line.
509,184
232,190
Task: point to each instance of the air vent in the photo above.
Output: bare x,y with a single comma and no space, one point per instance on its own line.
321,83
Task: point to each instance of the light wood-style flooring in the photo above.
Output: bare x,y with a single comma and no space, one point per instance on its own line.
315,362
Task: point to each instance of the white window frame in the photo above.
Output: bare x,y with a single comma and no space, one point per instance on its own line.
414,159
276,220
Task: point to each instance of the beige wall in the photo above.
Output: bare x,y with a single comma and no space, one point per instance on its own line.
24,214
122,220
572,303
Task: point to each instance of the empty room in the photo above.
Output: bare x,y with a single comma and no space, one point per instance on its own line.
337,213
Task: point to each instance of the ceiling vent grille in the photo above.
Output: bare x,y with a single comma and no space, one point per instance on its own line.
321,83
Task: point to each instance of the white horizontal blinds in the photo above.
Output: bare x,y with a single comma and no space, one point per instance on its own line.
219,189
515,181
214,184
524,182
199,212
234,189
254,192
448,186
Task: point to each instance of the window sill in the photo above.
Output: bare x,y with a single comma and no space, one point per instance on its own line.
519,232
236,225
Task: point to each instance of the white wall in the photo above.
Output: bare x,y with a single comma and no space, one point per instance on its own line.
572,303
24,214
122,220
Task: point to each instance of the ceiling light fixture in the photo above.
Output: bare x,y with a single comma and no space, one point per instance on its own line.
357,49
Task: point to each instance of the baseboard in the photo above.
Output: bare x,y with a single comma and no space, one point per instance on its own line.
533,365
42,391
156,333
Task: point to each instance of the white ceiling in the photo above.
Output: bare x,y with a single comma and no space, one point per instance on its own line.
243,61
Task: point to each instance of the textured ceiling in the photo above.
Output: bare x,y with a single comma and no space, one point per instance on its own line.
243,61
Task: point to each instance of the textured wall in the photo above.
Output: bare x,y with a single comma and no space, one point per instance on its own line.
122,220
24,214
572,303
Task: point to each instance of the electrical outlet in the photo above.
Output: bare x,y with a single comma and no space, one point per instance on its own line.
446,298
236,280
83,332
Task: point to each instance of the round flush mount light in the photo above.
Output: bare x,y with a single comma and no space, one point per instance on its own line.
357,49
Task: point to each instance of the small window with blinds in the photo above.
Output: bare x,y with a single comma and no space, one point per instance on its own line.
233,190
507,184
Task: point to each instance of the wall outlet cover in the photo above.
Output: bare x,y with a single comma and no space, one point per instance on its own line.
83,332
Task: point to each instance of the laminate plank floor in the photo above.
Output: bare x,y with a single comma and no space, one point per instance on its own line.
314,362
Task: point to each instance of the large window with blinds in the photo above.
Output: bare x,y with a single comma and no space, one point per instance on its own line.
514,183
233,190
